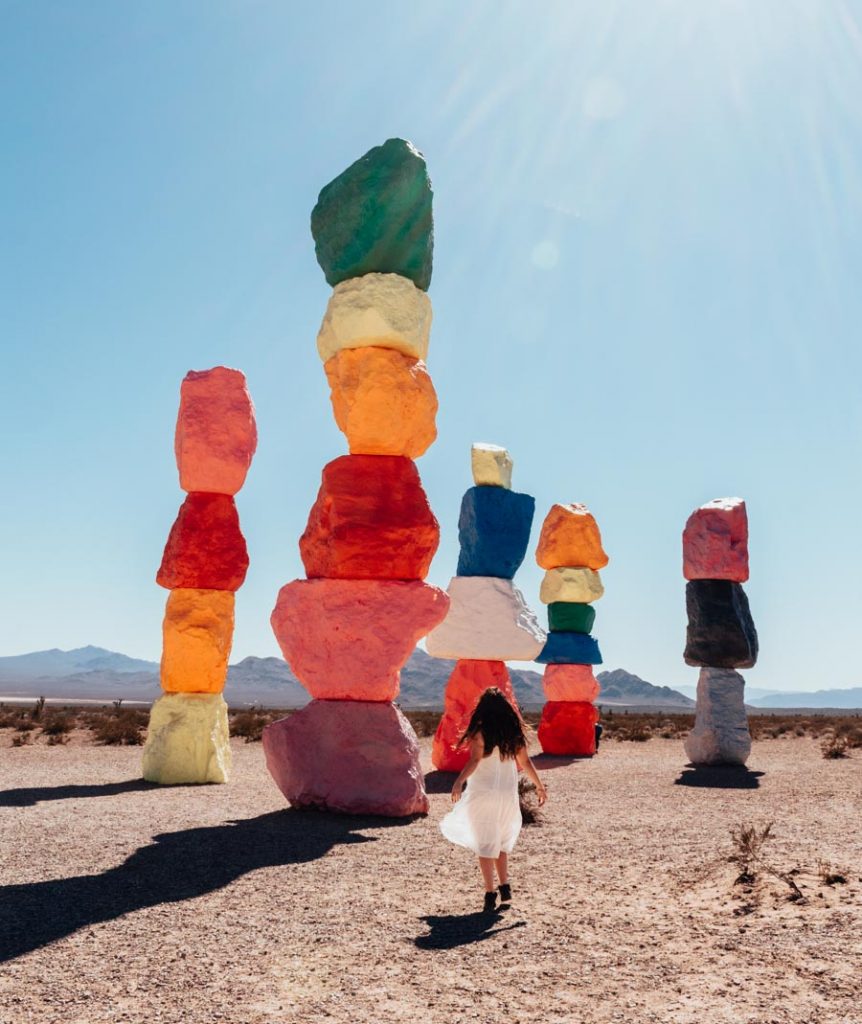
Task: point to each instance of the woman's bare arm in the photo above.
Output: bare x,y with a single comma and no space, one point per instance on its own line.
477,750
529,768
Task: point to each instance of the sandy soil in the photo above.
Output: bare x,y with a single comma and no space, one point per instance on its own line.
124,902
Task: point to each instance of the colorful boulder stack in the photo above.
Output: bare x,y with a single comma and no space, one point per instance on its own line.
204,564
349,627
721,636
571,553
488,622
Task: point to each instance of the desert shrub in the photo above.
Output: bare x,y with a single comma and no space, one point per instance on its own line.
424,722
748,842
248,724
21,740
828,875
121,727
58,739
834,747
58,724
38,708
529,801
25,725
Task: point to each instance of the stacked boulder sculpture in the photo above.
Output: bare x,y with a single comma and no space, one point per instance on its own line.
204,564
721,636
349,627
571,553
488,622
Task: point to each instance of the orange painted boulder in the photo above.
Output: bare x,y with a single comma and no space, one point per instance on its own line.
356,757
348,639
570,537
715,542
205,548
568,728
371,520
384,401
468,682
198,633
216,434
570,682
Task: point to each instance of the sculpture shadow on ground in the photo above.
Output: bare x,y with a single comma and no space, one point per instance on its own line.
176,866
546,762
40,794
719,776
451,930
440,782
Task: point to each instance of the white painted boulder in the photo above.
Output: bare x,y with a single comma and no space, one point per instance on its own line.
488,620
187,740
492,465
575,585
720,734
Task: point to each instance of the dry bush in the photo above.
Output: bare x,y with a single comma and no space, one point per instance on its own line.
834,747
748,845
529,801
424,722
21,740
828,875
249,725
119,727
58,724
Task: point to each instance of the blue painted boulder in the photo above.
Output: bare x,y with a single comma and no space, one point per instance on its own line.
494,531
570,649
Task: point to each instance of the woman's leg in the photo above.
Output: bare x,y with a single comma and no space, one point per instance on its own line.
502,864
487,866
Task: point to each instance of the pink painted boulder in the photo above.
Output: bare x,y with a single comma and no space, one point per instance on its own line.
348,639
216,434
355,757
715,542
570,682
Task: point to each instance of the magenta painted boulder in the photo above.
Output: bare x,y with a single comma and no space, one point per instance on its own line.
355,757
715,542
348,639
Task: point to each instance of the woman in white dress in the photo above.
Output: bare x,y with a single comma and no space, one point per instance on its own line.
487,818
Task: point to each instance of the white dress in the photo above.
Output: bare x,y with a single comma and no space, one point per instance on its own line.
487,818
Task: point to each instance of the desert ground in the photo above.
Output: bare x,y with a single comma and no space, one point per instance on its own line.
121,901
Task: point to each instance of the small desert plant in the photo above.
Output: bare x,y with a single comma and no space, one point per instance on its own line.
748,843
22,740
38,708
58,739
828,874
529,801
25,725
834,747
122,728
58,725
248,724
424,722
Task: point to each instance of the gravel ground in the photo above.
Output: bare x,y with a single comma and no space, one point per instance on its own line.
126,902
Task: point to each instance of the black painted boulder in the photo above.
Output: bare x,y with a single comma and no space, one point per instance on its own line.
721,632
494,531
375,217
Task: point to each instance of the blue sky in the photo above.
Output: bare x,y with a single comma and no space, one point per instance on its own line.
646,285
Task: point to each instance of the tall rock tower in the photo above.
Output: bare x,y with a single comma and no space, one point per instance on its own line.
349,627
721,636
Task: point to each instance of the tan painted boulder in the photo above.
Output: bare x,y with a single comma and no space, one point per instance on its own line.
570,682
356,757
384,310
492,465
575,584
570,536
216,434
197,636
384,401
187,740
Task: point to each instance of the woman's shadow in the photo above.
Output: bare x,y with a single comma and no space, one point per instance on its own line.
450,930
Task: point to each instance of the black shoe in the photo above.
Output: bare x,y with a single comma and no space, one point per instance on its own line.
490,903
505,893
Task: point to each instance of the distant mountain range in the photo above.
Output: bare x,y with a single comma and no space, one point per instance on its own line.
97,674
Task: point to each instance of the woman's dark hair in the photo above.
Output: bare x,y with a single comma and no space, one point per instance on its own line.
499,724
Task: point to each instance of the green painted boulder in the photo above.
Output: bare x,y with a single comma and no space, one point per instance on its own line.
565,617
375,217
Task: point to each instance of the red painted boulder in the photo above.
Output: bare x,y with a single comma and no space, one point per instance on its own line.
468,682
205,548
348,639
568,728
355,757
715,542
216,434
371,520
570,682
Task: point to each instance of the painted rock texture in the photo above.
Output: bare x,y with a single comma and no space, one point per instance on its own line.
383,401
492,465
371,520
715,541
572,585
197,636
384,310
355,757
494,531
375,217
205,548
468,682
187,740
571,618
568,728
720,631
216,435
348,639
488,620
720,734
570,682
571,649
570,536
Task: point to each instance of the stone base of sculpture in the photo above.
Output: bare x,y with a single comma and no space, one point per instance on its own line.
720,734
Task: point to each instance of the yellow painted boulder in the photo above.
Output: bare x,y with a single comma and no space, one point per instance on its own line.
570,536
187,740
492,465
385,310
578,585
384,401
197,633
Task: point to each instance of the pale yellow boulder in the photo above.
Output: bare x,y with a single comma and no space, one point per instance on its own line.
380,310
575,585
187,740
492,465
